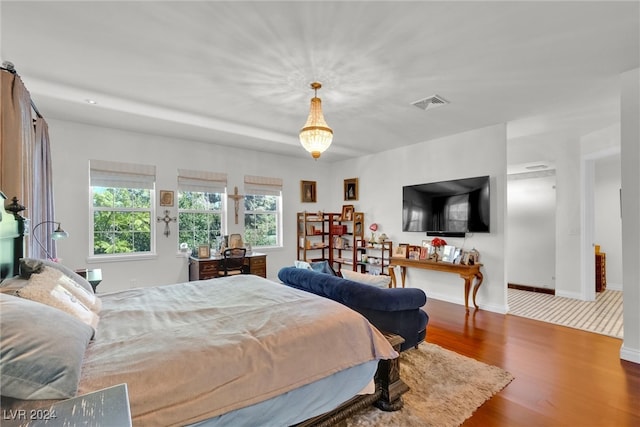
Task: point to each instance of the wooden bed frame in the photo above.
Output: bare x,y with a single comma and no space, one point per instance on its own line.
389,385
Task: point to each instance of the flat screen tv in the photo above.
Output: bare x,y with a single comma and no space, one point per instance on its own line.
447,208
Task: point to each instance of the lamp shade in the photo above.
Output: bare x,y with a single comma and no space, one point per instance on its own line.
316,136
57,234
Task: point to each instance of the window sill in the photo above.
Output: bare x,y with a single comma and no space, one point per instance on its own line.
120,257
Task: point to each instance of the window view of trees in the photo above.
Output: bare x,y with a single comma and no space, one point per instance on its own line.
199,218
121,220
261,220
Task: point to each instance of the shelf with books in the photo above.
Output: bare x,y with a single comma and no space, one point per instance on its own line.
312,236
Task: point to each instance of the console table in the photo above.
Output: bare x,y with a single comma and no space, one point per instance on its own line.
207,268
467,272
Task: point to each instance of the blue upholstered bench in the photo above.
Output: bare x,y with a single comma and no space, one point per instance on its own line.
396,310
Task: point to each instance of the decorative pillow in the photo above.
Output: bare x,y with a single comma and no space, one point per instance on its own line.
63,269
379,281
302,264
43,289
41,350
322,267
88,298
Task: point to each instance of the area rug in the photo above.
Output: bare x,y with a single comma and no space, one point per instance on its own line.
446,388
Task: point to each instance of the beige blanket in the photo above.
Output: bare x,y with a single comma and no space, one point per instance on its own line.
192,351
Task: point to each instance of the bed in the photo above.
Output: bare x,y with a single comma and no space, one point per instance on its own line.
234,351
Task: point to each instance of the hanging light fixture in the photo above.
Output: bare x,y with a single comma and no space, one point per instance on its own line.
316,135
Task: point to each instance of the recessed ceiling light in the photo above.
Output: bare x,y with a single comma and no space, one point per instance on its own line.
90,101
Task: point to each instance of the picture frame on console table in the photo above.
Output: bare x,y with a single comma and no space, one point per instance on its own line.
400,251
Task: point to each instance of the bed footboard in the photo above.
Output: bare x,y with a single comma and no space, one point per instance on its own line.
387,397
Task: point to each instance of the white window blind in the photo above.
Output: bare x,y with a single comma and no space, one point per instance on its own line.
262,185
121,175
201,181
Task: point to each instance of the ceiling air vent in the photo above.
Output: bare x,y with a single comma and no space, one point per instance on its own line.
432,101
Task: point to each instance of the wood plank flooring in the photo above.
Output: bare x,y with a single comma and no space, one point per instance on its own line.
563,376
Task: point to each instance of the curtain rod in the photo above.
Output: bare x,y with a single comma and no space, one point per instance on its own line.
9,67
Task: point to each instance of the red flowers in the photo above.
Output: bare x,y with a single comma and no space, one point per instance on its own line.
373,227
437,242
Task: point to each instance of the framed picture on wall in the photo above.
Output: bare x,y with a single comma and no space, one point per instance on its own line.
166,198
351,189
308,191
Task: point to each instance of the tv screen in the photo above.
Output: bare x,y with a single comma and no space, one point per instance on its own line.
445,208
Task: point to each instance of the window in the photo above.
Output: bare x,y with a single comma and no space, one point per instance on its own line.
201,207
122,207
262,211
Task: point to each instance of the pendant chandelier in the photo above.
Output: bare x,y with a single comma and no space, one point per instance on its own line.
316,135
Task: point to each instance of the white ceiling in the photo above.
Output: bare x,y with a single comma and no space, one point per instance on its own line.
238,73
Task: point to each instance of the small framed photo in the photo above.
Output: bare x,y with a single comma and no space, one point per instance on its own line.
351,189
308,191
400,251
204,251
347,213
166,198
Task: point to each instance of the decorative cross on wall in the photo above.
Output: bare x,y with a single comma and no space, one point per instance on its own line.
167,219
236,199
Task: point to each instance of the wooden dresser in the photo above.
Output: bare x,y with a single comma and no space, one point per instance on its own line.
207,268
601,271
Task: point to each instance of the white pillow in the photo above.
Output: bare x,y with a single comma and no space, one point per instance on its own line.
46,291
85,296
302,264
379,281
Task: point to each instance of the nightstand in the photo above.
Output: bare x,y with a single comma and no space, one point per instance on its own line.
93,276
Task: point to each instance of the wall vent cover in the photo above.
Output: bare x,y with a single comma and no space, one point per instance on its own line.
430,102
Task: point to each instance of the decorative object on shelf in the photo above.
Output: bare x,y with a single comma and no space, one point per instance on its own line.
437,244
166,198
167,220
401,251
373,227
347,213
204,251
57,234
351,189
316,135
474,257
382,238
236,201
308,191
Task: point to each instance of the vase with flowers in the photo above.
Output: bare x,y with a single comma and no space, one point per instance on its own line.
437,244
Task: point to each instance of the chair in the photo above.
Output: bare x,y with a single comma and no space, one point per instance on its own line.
233,262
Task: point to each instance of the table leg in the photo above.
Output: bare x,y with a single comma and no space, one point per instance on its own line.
392,274
479,278
467,288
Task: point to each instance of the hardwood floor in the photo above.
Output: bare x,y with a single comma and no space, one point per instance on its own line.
563,376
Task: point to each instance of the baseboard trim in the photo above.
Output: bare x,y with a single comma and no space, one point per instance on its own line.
629,354
531,288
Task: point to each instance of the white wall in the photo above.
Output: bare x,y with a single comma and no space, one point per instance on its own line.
630,161
73,145
475,153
